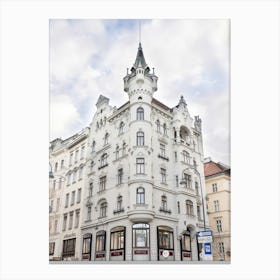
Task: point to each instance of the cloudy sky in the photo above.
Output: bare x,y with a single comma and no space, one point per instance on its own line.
190,57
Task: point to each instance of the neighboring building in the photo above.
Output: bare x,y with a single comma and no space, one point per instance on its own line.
143,182
67,161
217,180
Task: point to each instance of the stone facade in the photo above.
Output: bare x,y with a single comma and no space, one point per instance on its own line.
217,180
143,181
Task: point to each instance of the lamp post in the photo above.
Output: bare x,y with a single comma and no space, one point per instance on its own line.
202,199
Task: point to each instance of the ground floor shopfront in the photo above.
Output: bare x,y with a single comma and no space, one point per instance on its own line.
139,241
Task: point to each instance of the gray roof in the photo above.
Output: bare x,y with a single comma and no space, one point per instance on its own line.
140,59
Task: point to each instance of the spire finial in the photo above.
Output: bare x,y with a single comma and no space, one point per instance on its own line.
139,31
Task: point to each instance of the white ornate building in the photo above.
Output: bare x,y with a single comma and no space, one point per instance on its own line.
143,182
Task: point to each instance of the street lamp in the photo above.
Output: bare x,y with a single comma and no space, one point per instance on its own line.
183,181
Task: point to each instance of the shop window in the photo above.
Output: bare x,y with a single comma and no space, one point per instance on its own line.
141,235
69,247
165,238
51,248
100,241
117,238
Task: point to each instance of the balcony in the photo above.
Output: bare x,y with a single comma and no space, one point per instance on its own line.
102,166
166,211
118,211
140,215
163,157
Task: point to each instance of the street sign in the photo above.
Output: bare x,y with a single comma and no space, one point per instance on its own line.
207,252
204,239
204,236
204,233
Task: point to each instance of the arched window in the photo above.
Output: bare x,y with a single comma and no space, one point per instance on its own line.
189,206
103,209
140,138
158,125
106,137
141,235
117,151
164,203
140,114
100,241
103,161
121,127
164,129
117,241
140,195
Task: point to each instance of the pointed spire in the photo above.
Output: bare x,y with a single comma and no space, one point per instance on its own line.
140,59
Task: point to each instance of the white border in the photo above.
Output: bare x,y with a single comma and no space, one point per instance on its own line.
254,132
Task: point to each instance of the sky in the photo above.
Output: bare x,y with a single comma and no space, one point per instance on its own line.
190,57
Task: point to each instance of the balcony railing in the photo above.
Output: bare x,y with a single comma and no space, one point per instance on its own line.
161,209
163,157
118,211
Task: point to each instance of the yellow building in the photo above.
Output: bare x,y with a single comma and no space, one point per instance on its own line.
217,181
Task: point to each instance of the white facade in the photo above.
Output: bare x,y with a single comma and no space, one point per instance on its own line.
143,178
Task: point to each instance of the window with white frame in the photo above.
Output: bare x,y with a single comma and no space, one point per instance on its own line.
140,195
102,183
121,127
214,187
164,129
71,215
117,152
119,203
178,207
177,180
164,202
88,213
221,247
73,197
140,164
175,156
93,146
216,205
82,152
68,178
77,218
81,172
103,209
103,160
74,176
158,125
123,148
163,175
188,180
55,226
64,222
140,114
71,159
189,207
59,183
51,206
91,166
57,204
186,157
196,188
219,225
106,138
67,200
140,138
61,164
141,235
90,189
54,184
120,176
56,166
198,212
79,195
76,155
162,150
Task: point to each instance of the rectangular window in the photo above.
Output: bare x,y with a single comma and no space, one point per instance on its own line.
64,222
214,187
59,183
74,175
76,155
69,247
102,183
71,159
219,225
51,206
100,243
54,183
117,240
68,179
61,164
67,200
163,175
89,213
162,150
177,181
196,188
120,176
175,156
73,197
83,152
178,207
165,239
79,195
71,220
221,247
140,163
86,245
188,180
216,205
81,169
90,189
51,248
57,204
77,218
186,242
198,212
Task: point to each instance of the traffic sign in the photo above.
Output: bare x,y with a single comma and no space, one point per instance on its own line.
207,252
204,233
204,239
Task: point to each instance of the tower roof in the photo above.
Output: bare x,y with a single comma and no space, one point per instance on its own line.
140,59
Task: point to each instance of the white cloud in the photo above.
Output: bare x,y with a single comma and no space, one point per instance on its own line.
191,57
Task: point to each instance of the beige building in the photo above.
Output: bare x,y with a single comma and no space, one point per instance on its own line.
217,181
